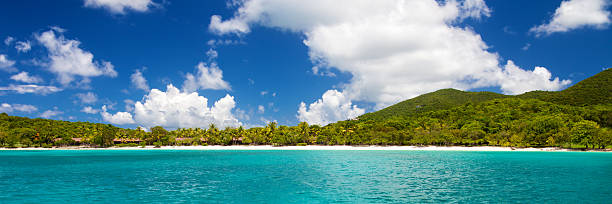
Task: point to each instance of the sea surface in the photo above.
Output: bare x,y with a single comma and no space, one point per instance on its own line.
277,176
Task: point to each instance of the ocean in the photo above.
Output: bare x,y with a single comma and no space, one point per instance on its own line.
292,176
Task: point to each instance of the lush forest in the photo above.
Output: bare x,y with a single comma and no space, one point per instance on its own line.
578,117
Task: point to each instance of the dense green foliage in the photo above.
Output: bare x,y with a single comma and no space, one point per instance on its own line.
503,122
580,116
592,91
441,99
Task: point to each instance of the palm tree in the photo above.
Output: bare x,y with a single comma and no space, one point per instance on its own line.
240,133
304,131
213,134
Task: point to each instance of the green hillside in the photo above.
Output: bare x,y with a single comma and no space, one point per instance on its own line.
591,91
441,99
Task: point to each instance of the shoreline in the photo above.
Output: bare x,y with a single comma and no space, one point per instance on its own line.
318,147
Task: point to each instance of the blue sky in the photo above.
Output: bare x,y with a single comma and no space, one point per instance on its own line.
257,58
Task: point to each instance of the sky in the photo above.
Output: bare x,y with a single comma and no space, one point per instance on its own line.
245,63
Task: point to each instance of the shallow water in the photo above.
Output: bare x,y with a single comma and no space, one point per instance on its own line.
163,176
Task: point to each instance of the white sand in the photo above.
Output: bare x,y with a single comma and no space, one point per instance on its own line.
311,147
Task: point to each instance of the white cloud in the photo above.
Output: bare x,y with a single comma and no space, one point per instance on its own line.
8,40
121,6
6,64
89,110
31,88
25,108
139,81
332,107
129,105
26,78
229,26
394,49
474,9
261,109
263,93
176,109
8,108
119,118
68,61
516,80
87,98
574,14
51,113
212,54
23,46
206,77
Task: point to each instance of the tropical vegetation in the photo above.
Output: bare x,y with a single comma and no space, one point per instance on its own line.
578,117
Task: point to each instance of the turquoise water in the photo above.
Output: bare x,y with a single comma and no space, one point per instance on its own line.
163,176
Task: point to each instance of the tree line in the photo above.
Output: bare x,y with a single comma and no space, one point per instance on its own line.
500,122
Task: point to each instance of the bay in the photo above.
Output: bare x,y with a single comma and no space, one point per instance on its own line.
185,176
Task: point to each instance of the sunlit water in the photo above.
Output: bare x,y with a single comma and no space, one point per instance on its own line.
163,176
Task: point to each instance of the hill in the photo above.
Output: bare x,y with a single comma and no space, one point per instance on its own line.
438,100
591,91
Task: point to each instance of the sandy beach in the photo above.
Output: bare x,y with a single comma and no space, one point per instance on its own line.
317,147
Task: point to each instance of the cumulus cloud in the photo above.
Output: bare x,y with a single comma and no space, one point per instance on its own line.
119,118
394,49
22,46
26,78
121,6
87,98
574,14
68,61
31,88
515,80
6,64
8,108
139,81
51,113
89,110
261,109
208,76
332,107
176,109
